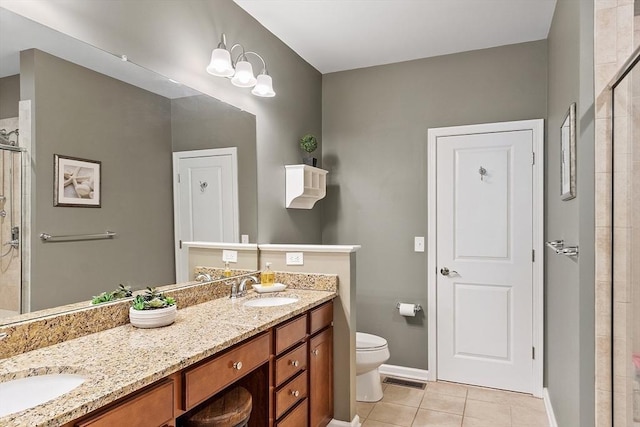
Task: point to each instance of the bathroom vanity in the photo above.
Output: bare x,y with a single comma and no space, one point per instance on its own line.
282,355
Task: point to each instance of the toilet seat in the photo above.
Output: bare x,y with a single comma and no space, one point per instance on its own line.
369,342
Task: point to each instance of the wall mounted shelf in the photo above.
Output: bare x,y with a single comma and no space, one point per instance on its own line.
305,185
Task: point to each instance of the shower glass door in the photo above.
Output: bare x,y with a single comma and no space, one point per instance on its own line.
626,247
10,227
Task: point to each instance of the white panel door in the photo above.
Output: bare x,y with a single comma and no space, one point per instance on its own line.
206,200
485,239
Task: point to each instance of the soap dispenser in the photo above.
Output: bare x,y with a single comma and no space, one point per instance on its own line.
227,270
268,277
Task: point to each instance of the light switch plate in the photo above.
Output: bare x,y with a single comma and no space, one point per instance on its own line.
229,256
295,258
418,244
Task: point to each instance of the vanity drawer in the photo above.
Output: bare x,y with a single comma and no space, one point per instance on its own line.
297,417
290,333
209,378
153,407
291,363
291,393
320,317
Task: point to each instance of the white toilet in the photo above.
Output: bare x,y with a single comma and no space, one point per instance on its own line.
371,352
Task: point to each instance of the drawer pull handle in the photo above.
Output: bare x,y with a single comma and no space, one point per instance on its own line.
294,363
295,393
237,365
315,351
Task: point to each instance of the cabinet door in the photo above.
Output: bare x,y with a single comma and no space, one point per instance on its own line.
150,408
207,379
321,378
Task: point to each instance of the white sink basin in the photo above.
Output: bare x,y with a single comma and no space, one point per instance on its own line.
270,302
24,393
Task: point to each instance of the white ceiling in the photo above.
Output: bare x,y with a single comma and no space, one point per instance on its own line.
337,35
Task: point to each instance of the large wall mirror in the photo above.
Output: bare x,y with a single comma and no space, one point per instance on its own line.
90,104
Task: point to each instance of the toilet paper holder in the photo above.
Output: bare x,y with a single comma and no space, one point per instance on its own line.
416,309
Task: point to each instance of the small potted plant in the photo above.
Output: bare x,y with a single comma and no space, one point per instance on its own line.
152,310
309,143
121,292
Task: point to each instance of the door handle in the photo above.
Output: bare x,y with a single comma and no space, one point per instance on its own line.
445,271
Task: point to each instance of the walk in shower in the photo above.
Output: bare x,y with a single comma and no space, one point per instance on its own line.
626,244
10,218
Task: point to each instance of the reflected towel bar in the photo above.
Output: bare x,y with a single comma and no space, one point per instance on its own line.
560,249
70,237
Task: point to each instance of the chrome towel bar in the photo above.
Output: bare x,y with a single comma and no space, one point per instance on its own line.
71,237
560,249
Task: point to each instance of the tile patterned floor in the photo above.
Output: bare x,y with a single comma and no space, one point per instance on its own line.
444,404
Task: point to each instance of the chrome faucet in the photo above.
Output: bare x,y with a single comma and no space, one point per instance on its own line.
204,277
234,288
242,289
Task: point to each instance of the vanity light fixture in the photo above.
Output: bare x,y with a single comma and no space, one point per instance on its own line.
240,71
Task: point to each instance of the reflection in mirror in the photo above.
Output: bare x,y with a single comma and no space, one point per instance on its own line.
72,99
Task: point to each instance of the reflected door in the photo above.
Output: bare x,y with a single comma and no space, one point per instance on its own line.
205,200
484,259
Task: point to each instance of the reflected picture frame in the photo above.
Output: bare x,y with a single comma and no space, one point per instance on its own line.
76,182
568,155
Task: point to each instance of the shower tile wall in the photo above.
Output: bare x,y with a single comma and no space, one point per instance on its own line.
626,251
616,36
10,266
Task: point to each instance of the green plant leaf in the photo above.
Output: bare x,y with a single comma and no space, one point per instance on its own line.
308,143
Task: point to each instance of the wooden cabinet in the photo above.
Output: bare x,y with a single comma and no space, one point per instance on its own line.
152,407
311,364
291,393
296,418
210,377
290,364
291,333
321,378
291,381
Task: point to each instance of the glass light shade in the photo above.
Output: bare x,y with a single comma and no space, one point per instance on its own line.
244,75
264,86
220,64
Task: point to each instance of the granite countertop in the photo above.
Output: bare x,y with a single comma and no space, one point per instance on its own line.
119,361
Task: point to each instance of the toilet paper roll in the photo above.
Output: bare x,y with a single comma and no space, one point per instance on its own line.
408,310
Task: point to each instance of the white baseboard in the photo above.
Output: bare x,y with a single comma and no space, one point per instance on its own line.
355,422
549,408
404,372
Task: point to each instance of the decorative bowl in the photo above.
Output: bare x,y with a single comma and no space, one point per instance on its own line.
153,318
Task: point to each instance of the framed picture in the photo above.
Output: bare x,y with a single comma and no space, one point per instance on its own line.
568,155
76,182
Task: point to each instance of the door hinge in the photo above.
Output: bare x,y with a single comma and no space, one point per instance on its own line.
533,353
533,255
178,178
180,243
533,158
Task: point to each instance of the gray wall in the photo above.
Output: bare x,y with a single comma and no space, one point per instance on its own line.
570,333
9,96
201,122
84,114
375,123
176,40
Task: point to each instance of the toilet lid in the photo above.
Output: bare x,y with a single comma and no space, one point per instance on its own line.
368,341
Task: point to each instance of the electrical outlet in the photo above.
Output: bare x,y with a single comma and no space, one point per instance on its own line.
418,244
229,256
295,258
244,238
